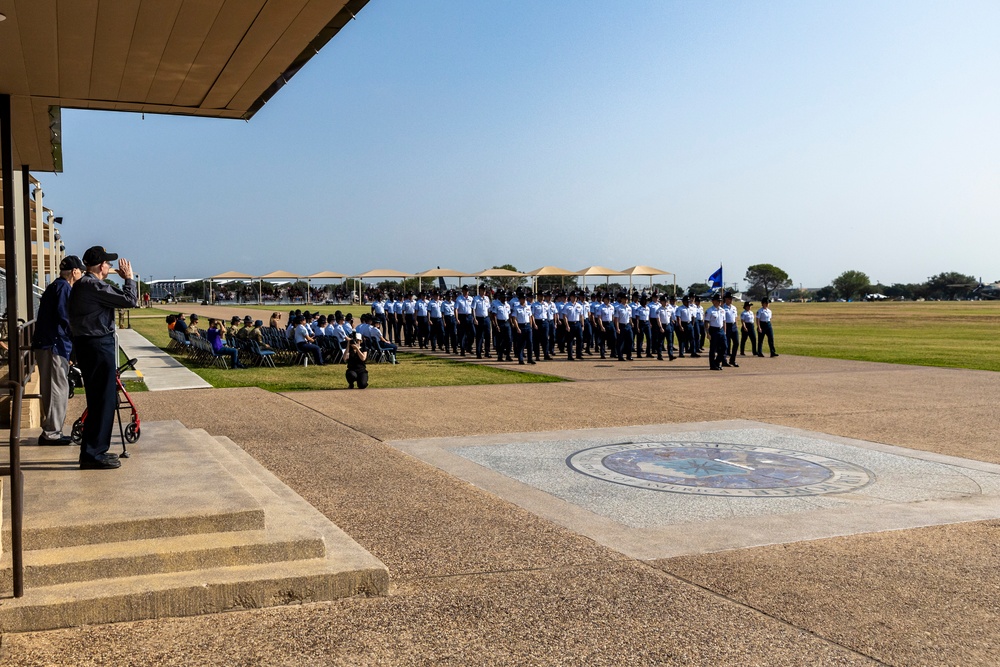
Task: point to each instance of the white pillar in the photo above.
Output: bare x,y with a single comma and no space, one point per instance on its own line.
23,264
40,238
50,233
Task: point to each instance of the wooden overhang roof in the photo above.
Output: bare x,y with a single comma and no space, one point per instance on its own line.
213,58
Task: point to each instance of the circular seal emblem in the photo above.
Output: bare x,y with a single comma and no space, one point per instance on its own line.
719,469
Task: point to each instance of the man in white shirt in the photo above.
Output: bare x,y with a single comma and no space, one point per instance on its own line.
715,320
748,329
764,316
732,331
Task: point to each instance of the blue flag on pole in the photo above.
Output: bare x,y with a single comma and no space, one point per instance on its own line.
715,280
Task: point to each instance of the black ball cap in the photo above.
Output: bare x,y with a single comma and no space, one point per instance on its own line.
70,262
98,255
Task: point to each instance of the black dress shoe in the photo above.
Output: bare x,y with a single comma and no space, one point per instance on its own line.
672,358
659,357
696,356
61,440
773,355
734,364
102,462
725,364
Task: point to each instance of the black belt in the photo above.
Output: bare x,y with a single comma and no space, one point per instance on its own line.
715,328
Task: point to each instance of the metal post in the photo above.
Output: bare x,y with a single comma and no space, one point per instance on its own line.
14,340
10,247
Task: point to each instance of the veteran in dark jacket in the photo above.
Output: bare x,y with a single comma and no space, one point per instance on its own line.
53,345
92,304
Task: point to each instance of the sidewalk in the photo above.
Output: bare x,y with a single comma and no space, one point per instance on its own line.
160,371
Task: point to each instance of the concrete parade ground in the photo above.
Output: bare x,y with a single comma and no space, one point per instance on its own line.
504,550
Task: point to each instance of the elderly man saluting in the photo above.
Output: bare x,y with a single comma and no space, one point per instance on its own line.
92,304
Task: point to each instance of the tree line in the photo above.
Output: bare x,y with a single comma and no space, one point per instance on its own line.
767,279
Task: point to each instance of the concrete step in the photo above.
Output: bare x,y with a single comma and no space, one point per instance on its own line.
48,567
169,487
190,593
285,551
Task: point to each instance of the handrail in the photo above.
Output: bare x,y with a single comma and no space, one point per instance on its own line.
16,488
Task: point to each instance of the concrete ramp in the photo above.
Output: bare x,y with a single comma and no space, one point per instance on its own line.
190,524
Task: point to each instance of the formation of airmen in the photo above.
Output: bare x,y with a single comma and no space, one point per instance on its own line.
532,327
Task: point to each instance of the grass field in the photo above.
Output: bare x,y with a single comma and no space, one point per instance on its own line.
954,334
413,370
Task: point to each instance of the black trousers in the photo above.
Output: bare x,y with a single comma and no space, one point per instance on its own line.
435,332
410,327
98,359
716,347
423,330
357,377
731,342
398,328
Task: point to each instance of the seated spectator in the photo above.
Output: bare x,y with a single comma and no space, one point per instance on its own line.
257,335
319,326
244,333
375,334
193,329
234,326
214,336
275,320
181,326
348,324
305,342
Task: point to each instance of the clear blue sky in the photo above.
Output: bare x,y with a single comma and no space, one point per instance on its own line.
817,136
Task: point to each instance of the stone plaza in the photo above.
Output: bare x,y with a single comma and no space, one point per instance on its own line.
605,520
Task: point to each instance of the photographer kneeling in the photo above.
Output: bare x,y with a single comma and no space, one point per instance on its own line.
357,371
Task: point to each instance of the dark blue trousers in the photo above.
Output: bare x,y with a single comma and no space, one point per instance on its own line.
483,335
503,339
574,336
541,338
466,332
624,341
98,358
522,342
765,330
642,332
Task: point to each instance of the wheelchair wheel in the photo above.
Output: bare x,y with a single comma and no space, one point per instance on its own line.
77,433
132,433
